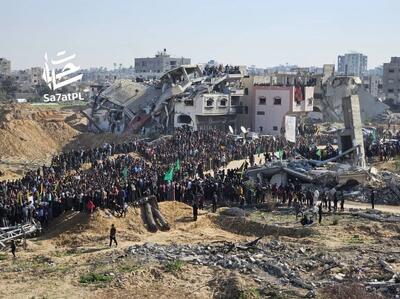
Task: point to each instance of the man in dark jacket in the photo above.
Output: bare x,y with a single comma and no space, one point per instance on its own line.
372,199
113,233
195,204
13,248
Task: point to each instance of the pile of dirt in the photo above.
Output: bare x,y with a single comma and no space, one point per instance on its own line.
74,229
80,229
29,133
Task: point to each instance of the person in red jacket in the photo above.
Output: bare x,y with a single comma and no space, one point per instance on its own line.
90,206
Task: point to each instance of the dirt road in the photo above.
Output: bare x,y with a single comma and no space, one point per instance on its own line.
365,206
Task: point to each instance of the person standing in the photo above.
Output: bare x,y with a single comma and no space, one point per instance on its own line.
373,199
341,201
90,207
113,233
13,248
320,213
335,201
315,198
195,204
214,202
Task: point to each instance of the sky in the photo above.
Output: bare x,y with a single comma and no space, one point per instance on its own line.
253,32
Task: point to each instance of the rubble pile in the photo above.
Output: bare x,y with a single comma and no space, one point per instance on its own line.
376,215
287,264
353,182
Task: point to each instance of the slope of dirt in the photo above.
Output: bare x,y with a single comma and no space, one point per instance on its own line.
75,229
31,135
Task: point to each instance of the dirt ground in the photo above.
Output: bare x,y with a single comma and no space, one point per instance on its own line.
31,135
56,262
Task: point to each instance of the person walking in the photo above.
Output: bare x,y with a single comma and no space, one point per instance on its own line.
113,233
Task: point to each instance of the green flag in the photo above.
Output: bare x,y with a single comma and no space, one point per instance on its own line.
177,165
125,173
169,175
279,154
374,135
319,154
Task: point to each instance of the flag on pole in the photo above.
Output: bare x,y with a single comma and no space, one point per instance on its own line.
319,154
125,174
374,135
169,175
279,154
177,165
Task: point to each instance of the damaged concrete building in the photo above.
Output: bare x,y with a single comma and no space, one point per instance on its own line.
184,96
199,100
330,91
268,99
122,106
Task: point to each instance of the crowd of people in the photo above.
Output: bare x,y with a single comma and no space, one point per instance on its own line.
115,181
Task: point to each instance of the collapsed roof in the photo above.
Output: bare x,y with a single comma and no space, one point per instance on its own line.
334,89
140,103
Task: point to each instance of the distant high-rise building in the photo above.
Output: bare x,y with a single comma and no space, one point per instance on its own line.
5,66
352,64
155,67
328,71
391,80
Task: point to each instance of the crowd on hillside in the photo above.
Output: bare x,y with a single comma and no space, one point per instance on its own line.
113,181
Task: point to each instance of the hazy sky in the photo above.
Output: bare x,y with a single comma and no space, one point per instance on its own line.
260,32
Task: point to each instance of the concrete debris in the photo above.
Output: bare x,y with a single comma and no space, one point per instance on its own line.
184,96
378,216
330,95
352,181
261,258
279,262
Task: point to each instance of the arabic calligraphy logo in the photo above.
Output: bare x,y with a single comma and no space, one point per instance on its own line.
52,79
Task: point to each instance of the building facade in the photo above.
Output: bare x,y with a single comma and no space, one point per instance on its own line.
391,80
352,64
273,103
373,85
155,67
5,66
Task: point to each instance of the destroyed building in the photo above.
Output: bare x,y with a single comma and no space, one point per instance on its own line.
200,99
122,106
184,96
328,99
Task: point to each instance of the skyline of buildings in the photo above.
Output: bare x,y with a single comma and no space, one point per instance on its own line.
355,63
